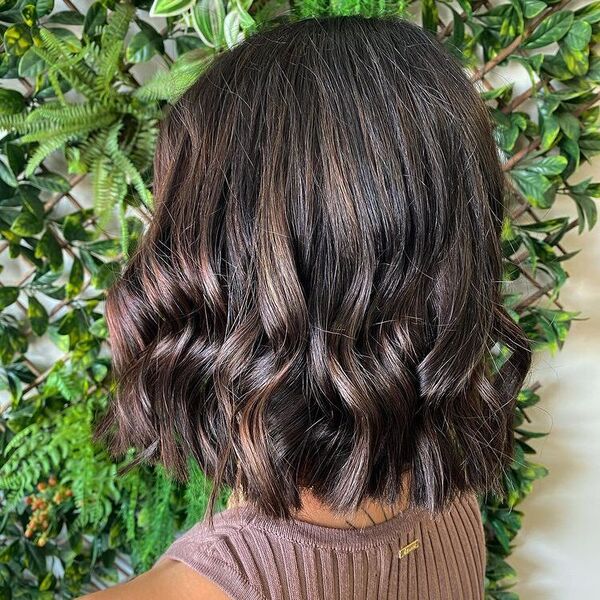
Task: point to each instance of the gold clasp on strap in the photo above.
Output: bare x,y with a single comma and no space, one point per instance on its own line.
408,548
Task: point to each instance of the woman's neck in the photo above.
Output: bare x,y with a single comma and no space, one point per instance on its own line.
369,513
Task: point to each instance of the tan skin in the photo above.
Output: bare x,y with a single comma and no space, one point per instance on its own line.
173,580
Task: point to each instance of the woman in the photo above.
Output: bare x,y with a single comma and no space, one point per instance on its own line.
313,315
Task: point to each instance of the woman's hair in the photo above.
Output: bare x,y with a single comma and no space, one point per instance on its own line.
316,302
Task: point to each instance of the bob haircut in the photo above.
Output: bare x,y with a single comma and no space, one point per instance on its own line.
316,302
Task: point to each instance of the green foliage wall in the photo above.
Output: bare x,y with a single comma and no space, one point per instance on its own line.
70,92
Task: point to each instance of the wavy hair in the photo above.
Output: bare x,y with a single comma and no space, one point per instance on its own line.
317,300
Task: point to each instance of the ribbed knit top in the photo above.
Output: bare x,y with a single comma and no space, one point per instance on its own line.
413,555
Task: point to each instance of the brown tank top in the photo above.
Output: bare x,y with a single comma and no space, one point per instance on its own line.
411,556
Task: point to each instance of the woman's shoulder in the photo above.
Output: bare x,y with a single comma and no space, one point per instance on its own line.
190,567
167,580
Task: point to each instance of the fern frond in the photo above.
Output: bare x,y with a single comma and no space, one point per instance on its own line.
144,144
55,48
109,54
158,510
92,148
122,161
56,114
109,188
196,495
71,66
134,176
134,487
56,85
366,8
31,454
89,473
170,85
90,53
108,65
33,121
76,129
15,122
310,8
46,148
115,30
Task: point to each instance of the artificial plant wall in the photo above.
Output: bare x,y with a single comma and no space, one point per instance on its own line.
69,91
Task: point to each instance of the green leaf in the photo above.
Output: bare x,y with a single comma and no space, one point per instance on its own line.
38,317
550,165
208,18
43,7
429,13
570,125
589,12
17,39
48,583
506,136
144,44
231,28
590,143
501,535
27,224
70,40
550,130
551,29
532,185
11,102
546,226
248,24
66,17
512,25
185,43
95,19
532,8
99,328
577,61
587,211
105,275
7,175
76,276
466,6
169,8
579,36
8,295
30,200
504,92
73,228
31,65
99,371
556,67
457,41
48,247
51,182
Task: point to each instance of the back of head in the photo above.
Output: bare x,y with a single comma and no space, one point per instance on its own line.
316,302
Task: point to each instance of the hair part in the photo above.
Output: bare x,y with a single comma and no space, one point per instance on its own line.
317,299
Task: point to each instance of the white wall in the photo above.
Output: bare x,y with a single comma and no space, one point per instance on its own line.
557,554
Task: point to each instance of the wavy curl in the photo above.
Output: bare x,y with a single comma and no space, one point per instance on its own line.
316,302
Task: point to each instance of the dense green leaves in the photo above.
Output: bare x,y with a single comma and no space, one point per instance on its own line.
551,29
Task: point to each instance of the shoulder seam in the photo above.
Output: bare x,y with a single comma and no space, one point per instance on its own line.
208,552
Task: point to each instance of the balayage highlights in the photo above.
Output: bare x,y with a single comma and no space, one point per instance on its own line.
317,297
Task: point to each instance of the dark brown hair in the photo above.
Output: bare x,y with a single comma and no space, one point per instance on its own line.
317,300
